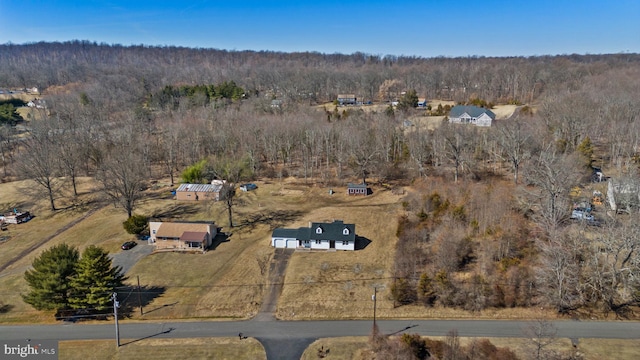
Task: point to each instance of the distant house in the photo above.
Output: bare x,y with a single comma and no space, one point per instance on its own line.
195,192
182,236
335,235
276,104
357,189
347,99
462,114
422,102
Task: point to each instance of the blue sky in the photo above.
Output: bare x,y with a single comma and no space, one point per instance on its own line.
425,28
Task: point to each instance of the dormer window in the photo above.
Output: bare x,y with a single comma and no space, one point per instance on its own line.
319,230
345,231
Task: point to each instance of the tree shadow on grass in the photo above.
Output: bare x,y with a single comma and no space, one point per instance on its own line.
221,237
361,242
175,211
133,299
5,308
274,219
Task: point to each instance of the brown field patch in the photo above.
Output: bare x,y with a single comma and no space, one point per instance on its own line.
197,348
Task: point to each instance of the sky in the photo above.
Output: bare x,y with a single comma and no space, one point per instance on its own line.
427,28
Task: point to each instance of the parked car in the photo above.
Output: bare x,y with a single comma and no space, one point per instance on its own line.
248,187
129,245
582,214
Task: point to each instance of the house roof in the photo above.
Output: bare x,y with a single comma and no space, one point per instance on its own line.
346,96
176,229
333,231
330,231
285,233
200,187
473,111
356,186
194,236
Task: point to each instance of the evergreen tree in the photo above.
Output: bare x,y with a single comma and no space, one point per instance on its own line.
95,280
408,101
49,278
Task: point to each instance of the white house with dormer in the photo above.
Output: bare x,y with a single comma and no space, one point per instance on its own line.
468,114
323,236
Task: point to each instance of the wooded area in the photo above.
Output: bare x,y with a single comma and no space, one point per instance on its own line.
487,215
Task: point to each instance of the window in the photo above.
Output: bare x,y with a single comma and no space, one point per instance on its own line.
319,230
345,231
345,243
318,242
154,231
306,241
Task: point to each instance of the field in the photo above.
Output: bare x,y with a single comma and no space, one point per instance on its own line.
200,348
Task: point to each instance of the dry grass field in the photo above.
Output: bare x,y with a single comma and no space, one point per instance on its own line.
199,348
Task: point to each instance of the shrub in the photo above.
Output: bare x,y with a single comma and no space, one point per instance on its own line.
136,224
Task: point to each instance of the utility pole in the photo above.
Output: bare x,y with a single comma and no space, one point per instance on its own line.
116,304
375,299
139,299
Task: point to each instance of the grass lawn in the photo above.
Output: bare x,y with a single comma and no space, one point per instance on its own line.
200,348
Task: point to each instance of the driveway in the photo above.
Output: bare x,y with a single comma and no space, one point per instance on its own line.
127,258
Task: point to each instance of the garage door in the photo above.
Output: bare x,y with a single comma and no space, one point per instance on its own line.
280,243
292,243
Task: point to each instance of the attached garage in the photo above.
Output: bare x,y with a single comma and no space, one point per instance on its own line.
284,238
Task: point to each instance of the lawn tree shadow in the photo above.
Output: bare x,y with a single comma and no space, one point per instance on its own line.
175,211
275,218
132,299
361,242
221,237
5,308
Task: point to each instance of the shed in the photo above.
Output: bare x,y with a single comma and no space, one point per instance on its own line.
195,192
357,189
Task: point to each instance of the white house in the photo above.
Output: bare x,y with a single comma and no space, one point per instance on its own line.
335,235
462,114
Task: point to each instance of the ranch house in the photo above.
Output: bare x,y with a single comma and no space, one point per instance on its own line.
335,235
182,236
461,114
347,99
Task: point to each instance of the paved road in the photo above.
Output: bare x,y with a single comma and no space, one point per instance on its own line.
283,330
289,339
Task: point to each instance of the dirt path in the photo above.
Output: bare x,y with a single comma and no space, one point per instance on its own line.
28,250
277,269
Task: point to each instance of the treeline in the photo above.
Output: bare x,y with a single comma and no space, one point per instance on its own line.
298,76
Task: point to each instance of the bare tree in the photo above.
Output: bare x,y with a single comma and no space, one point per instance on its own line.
7,141
456,144
558,274
39,161
553,175
613,271
122,175
515,141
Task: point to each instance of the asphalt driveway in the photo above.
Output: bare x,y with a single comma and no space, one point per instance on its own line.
127,258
